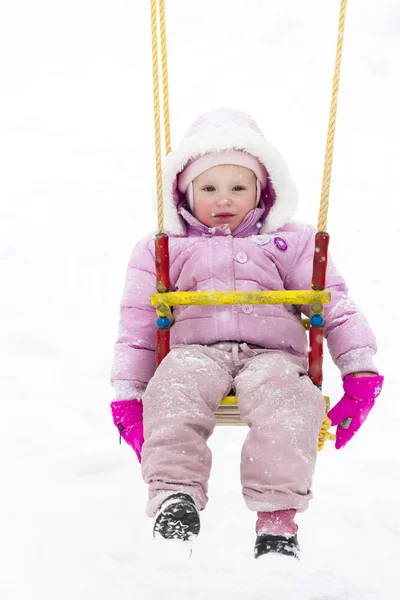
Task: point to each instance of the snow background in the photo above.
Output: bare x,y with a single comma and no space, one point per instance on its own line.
77,167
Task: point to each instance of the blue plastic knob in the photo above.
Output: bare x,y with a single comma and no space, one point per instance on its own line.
317,321
162,322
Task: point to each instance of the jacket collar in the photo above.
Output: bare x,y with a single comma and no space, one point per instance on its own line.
249,226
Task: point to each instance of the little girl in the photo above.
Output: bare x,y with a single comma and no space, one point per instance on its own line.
229,200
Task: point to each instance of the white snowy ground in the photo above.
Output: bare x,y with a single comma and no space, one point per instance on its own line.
76,157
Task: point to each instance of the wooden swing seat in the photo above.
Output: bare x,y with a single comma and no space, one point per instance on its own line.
228,411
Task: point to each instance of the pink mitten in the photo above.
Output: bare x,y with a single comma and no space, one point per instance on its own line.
128,418
352,410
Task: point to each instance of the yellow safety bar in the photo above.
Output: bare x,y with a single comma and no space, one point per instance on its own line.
162,301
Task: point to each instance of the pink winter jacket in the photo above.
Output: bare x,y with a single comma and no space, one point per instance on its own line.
267,251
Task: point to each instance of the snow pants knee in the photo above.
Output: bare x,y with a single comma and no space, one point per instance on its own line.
277,400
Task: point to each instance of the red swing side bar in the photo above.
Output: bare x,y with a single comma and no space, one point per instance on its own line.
163,284
317,320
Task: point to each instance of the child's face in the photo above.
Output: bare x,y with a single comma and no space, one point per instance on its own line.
224,194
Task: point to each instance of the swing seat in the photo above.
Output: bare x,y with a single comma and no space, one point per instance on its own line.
228,411
228,414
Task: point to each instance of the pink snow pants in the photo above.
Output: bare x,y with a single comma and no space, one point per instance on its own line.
276,399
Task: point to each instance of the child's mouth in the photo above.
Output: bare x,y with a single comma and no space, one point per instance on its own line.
224,215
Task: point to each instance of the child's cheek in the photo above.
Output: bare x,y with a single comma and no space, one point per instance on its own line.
205,214
202,205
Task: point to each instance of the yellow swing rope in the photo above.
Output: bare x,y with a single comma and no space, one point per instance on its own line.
326,179
327,174
156,99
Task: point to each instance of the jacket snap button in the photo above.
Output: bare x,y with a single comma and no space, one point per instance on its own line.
247,309
280,244
242,257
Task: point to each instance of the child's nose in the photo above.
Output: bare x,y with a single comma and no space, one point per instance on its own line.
224,201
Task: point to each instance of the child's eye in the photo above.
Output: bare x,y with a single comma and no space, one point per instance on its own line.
209,188
238,188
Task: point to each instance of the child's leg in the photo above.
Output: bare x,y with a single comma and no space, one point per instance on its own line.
179,406
284,411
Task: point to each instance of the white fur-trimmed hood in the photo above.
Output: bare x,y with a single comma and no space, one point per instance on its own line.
226,129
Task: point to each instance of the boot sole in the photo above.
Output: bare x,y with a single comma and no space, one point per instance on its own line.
177,519
277,544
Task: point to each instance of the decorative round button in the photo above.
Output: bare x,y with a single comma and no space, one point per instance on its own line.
247,309
262,239
280,244
241,257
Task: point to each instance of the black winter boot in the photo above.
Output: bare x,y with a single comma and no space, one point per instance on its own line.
266,543
177,519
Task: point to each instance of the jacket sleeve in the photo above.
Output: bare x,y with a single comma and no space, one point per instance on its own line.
350,339
134,352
